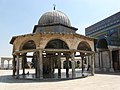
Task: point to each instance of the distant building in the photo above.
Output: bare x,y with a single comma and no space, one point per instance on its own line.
107,33
6,63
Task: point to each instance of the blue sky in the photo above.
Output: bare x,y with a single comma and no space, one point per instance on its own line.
19,16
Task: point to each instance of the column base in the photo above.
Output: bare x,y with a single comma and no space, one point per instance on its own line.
73,74
17,77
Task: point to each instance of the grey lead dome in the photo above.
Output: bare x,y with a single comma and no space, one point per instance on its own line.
54,17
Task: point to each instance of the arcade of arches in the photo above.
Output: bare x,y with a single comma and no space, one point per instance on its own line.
6,63
107,57
54,53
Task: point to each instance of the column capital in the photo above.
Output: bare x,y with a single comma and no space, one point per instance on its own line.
72,54
67,56
92,54
110,48
17,54
40,51
82,55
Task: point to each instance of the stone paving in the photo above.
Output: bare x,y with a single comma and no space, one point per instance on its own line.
108,81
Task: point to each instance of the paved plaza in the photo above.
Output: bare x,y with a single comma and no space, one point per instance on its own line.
97,82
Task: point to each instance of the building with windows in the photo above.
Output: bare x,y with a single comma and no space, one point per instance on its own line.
107,33
53,44
6,63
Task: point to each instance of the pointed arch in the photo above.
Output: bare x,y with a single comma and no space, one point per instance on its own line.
30,44
102,44
83,45
56,44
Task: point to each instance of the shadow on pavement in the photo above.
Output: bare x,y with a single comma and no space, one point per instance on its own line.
11,79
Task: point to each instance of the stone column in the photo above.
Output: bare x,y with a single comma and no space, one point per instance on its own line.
8,64
99,59
111,61
67,66
37,65
41,64
14,65
73,65
23,63
17,66
35,62
83,67
92,65
88,63
101,62
59,66
87,60
51,67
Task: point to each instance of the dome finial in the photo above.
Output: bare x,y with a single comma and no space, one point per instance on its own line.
54,6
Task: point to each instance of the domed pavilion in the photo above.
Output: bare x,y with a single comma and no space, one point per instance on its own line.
54,46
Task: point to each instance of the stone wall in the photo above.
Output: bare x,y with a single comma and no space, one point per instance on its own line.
41,40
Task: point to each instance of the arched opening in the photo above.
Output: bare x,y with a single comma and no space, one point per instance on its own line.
28,61
84,46
29,45
102,47
52,60
102,44
6,64
56,44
